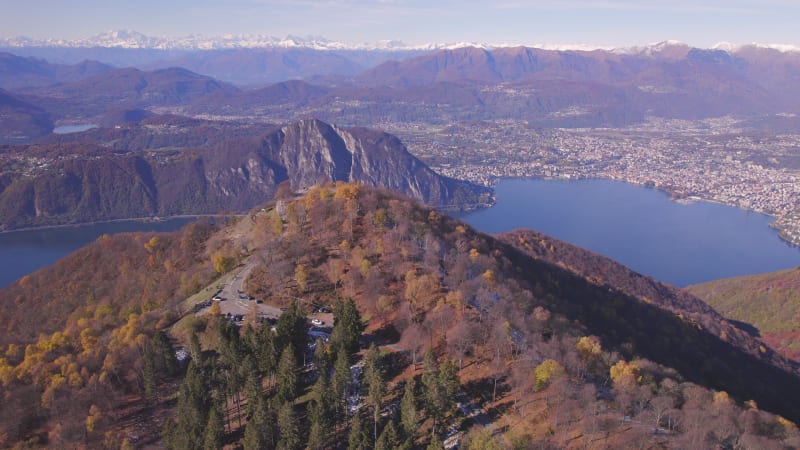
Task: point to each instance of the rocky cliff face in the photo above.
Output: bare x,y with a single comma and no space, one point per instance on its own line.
80,183
312,151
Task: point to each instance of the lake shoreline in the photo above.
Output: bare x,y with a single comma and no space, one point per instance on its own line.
150,219
783,231
679,240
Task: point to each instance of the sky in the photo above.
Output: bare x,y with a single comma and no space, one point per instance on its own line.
605,23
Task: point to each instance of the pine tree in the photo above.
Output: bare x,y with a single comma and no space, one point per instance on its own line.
195,349
194,403
408,410
448,379
169,435
287,377
347,326
265,351
260,432
319,431
322,357
342,377
215,430
288,428
252,388
441,385
359,437
373,377
389,440
165,361
148,375
228,365
435,444
291,331
319,413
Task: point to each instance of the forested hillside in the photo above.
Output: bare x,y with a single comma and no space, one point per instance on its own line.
769,302
424,332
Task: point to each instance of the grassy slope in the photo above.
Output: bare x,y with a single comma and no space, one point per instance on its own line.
770,302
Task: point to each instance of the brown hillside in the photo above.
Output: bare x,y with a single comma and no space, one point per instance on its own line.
769,302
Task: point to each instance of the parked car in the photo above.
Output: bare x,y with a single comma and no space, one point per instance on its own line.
316,322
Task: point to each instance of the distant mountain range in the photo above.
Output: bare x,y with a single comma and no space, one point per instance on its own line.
547,88
134,40
544,87
259,59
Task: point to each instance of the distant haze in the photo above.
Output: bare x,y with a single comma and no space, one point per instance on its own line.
595,23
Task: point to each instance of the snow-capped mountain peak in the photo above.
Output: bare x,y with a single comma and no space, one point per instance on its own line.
136,40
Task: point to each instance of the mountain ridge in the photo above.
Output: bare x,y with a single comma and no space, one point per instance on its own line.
146,172
134,39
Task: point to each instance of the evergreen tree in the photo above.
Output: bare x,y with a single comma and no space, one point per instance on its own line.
169,434
260,432
322,358
148,375
265,351
342,377
450,383
319,413
287,377
376,387
231,347
359,437
389,439
435,444
252,387
288,428
228,365
164,361
194,403
347,326
408,410
441,385
215,430
291,331
194,349
319,431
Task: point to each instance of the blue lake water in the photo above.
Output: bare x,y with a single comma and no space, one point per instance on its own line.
642,228
67,129
23,252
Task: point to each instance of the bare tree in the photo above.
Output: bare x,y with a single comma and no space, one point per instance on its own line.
460,340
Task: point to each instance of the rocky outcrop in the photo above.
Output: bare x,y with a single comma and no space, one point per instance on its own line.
312,151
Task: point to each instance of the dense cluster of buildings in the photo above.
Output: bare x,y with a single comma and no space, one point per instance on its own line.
711,160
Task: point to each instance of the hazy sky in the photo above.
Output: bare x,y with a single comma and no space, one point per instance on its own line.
596,22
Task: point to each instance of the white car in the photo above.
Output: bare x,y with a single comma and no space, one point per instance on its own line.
316,322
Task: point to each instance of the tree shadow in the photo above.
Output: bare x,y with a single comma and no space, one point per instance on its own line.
746,327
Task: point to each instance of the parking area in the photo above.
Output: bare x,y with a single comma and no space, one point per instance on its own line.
235,304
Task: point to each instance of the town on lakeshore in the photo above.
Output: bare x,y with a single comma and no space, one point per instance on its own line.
714,160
